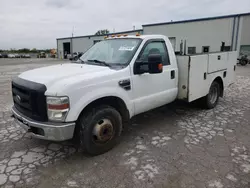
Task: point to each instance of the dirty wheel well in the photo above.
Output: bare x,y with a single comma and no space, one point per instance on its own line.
220,81
115,102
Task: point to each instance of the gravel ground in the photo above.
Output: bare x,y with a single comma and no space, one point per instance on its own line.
175,146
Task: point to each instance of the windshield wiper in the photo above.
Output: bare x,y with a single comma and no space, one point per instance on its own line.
100,62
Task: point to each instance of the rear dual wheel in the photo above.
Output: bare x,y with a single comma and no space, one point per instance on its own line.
212,98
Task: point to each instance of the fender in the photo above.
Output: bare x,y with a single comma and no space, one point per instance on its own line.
217,76
93,95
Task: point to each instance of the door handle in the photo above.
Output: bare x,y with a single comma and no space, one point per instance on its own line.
172,74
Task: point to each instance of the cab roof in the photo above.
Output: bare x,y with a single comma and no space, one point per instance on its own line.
139,36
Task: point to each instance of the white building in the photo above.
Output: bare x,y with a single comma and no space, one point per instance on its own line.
196,35
82,43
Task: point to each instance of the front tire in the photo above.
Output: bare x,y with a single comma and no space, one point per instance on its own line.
99,129
212,98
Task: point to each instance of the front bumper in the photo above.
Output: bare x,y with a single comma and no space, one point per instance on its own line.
45,130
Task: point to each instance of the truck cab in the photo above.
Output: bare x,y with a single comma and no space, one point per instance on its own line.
115,80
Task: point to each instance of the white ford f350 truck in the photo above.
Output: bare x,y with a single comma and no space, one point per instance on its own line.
115,80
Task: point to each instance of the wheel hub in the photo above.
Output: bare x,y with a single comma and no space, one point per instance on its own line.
213,94
103,131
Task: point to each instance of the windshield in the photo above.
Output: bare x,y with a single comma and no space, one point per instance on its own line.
112,51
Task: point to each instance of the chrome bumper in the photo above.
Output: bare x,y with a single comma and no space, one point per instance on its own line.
45,130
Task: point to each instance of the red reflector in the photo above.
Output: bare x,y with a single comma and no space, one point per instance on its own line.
58,106
160,66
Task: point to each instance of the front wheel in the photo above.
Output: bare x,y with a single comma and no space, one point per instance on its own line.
212,98
99,129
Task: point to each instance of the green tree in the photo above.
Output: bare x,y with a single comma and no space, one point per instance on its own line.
34,50
24,50
102,32
13,50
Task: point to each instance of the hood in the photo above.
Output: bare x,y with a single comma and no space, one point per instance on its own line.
50,75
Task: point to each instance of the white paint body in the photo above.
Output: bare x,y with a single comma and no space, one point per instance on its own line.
84,83
192,84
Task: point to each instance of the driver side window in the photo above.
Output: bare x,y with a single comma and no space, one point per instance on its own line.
155,47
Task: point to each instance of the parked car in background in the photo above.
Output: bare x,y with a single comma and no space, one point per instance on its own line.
11,56
5,55
41,55
76,56
71,57
1,56
17,55
26,56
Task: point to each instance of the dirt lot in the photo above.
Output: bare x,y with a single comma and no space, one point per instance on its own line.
175,146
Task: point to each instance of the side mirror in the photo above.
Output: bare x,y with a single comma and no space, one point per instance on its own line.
155,64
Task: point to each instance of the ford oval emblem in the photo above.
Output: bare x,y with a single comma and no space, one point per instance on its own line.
18,98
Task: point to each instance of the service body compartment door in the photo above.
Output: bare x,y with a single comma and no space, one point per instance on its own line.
198,85
217,62
183,66
231,61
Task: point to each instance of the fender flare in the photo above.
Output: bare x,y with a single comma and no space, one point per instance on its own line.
92,96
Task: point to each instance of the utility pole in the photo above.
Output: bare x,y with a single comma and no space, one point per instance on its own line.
71,48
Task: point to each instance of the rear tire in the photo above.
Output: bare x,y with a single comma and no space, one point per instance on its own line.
99,129
212,98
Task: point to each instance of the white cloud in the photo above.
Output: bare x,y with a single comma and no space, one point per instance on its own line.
30,23
58,3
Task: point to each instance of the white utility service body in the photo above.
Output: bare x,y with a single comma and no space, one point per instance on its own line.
85,84
197,72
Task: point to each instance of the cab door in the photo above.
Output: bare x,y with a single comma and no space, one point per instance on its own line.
154,90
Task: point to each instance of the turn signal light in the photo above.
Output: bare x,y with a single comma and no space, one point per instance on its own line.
160,66
58,106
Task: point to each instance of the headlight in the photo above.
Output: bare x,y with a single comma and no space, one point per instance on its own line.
57,108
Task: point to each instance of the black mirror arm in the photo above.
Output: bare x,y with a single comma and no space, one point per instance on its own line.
137,67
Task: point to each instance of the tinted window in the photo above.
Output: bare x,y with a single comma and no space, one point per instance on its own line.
155,47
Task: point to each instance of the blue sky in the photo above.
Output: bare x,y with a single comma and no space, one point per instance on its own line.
37,23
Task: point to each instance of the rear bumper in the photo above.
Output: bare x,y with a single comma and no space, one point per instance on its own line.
45,130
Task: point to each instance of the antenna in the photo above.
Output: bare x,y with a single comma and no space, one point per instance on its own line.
73,28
